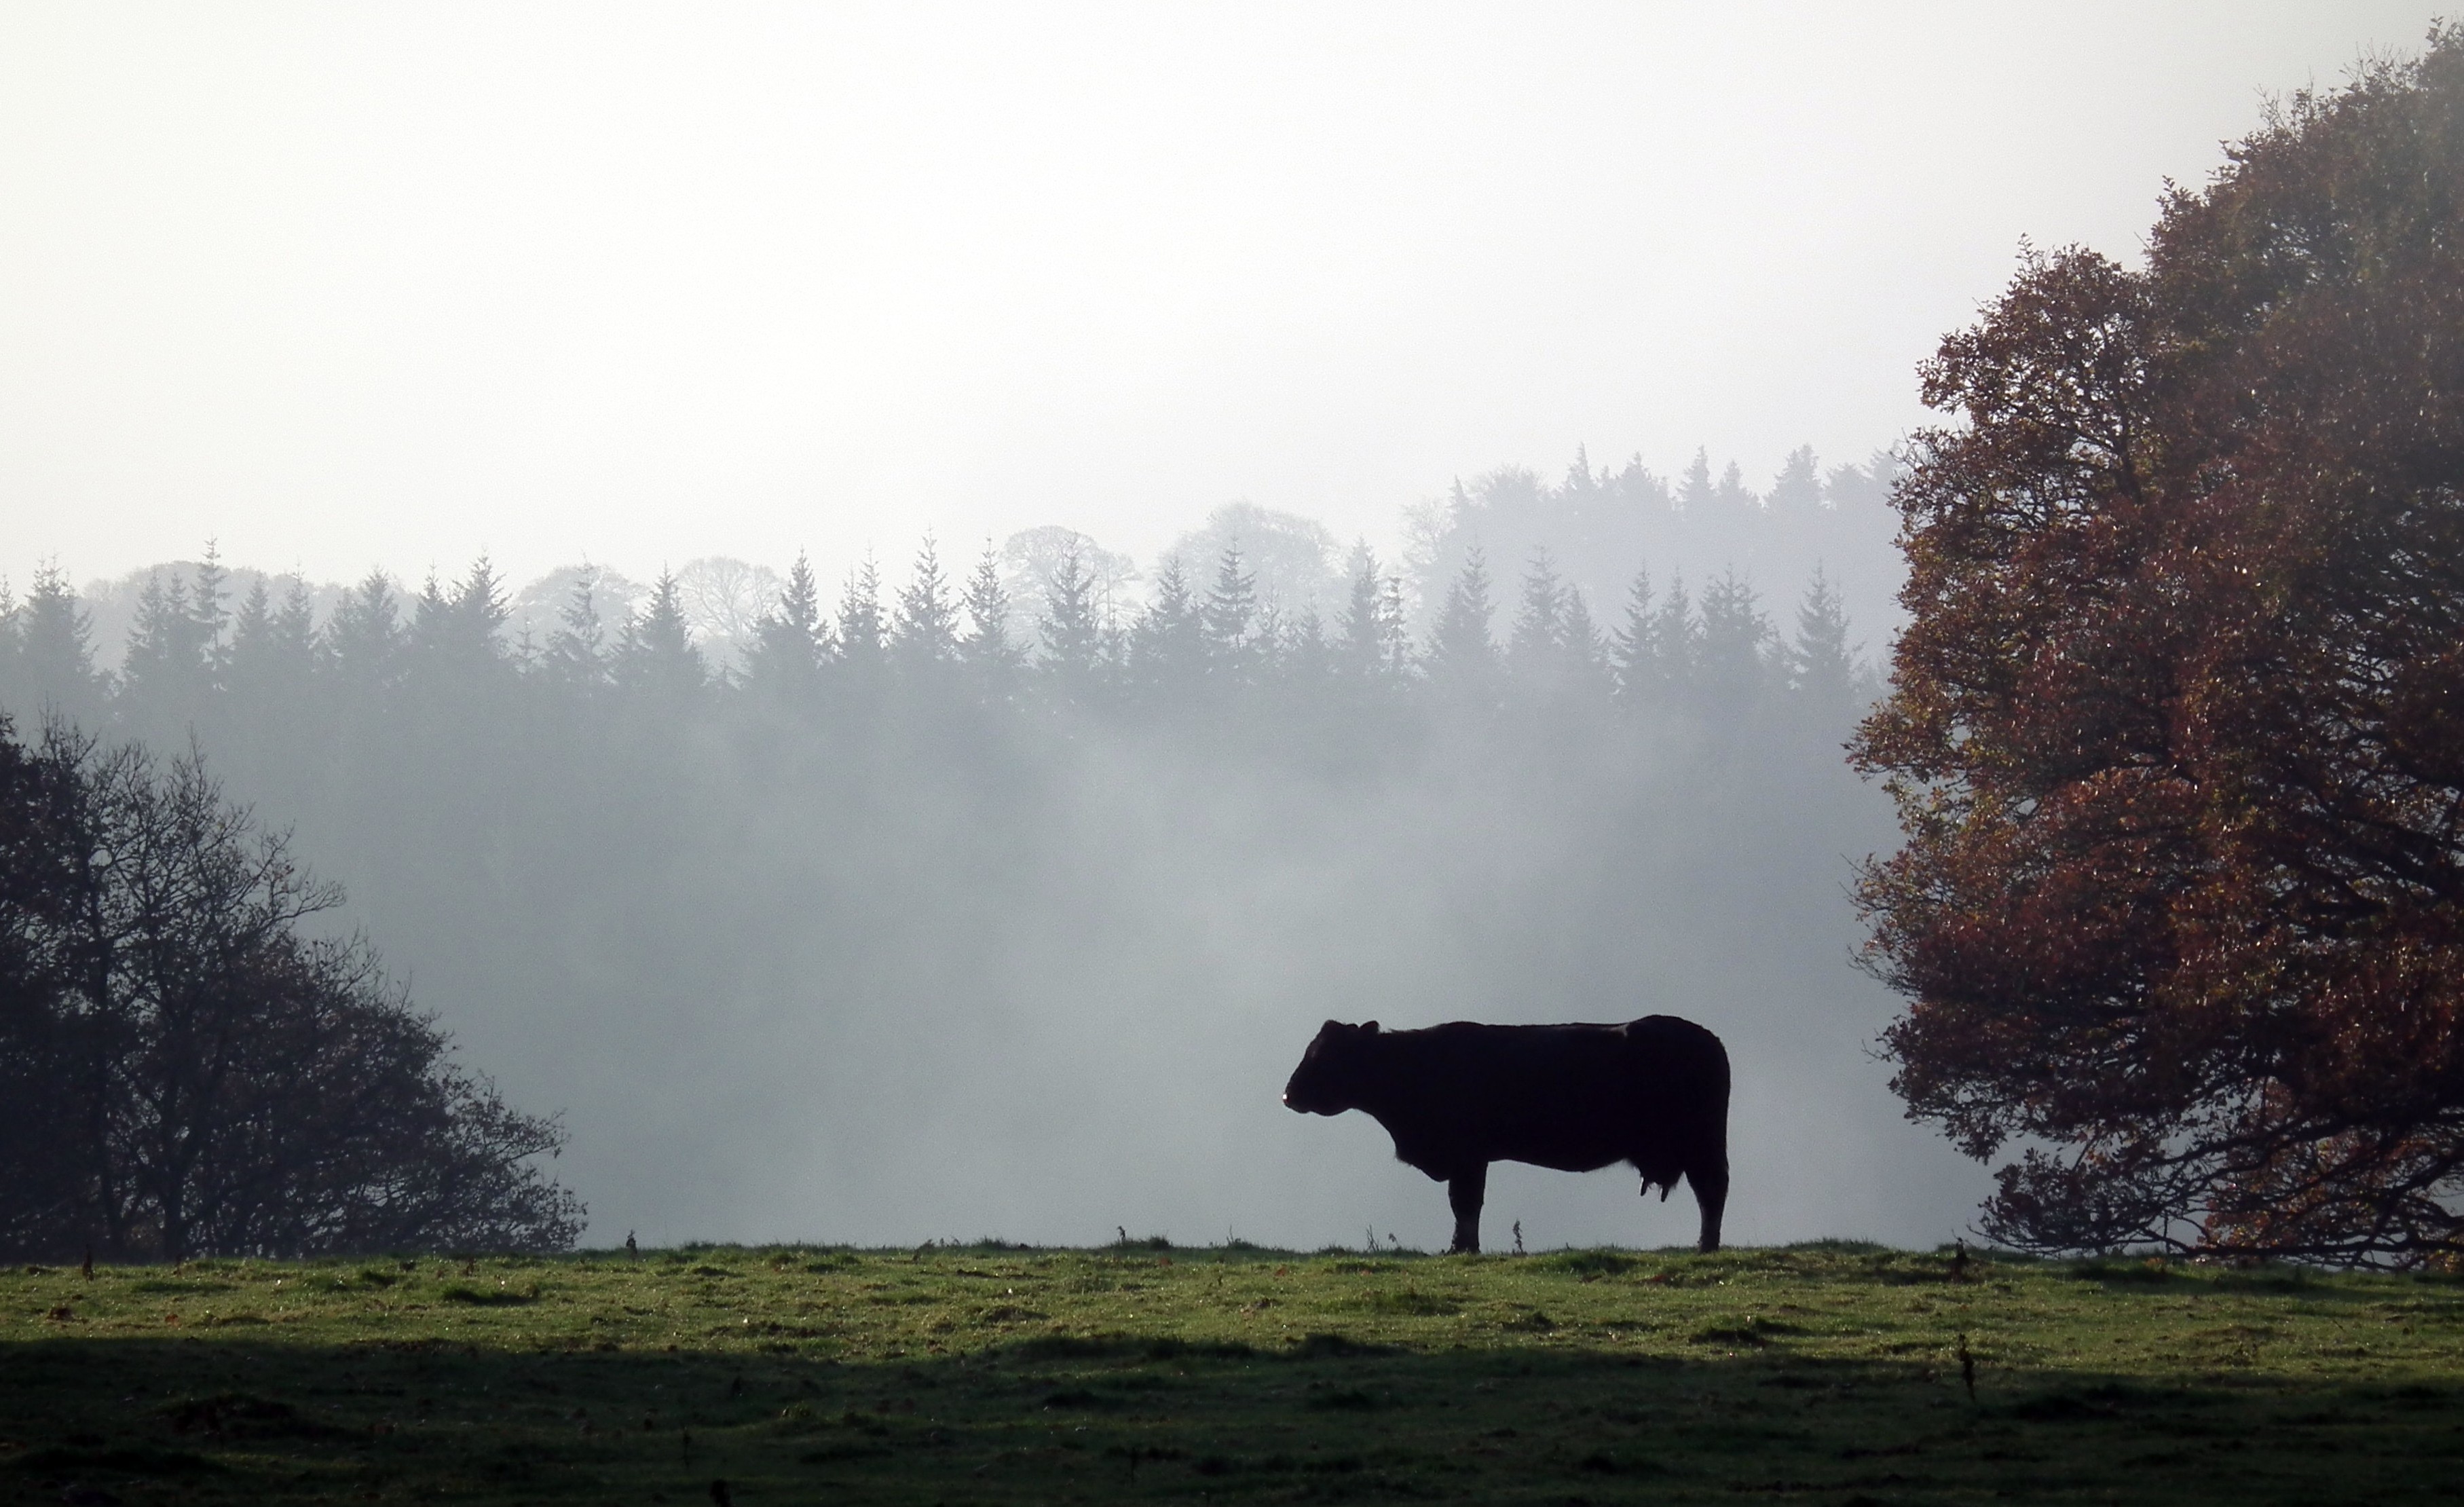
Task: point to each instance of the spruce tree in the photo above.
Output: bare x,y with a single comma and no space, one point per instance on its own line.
252,667
1796,492
1230,615
1461,654
1075,638
1676,639
576,657
172,665
365,641
1360,650
924,632
1581,654
1532,649
1302,656
862,635
790,640
1169,644
1632,656
1694,494
656,659
1821,666
987,648
1737,643
54,671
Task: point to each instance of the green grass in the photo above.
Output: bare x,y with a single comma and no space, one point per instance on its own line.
1821,1374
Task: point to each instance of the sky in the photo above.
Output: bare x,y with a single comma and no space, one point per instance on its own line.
343,286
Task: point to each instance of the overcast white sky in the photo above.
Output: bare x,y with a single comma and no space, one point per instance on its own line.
353,285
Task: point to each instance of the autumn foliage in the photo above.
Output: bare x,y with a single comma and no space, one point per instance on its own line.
2177,728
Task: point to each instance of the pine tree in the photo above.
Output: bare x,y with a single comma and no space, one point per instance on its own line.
924,635
790,641
171,670
576,657
863,639
1168,645
1461,652
253,670
1676,640
455,635
1632,655
1581,659
1732,492
206,603
55,669
1821,665
1796,492
987,648
1694,494
1230,614
1736,643
1360,651
1532,650
656,656
1394,629
1074,639
294,625
1302,656
365,641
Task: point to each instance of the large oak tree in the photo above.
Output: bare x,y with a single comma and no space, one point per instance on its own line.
2177,727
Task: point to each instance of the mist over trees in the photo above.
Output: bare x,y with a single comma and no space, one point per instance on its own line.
995,892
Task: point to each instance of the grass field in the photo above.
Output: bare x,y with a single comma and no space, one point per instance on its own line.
1821,1374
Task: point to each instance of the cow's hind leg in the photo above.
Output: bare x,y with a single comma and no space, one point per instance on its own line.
1709,1175
1465,1191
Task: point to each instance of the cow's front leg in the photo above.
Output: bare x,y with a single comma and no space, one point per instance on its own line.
1465,1191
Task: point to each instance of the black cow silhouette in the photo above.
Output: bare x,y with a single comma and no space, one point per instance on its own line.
1456,1098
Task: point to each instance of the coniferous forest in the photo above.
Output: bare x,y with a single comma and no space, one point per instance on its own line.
995,894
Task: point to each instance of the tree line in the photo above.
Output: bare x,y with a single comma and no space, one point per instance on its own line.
196,659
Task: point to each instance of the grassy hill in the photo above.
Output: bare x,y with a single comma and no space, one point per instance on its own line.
1829,1374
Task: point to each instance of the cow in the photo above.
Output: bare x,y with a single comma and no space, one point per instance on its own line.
1652,1092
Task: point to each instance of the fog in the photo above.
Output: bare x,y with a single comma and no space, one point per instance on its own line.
537,363
918,936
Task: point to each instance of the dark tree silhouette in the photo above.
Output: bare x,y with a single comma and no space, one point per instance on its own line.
44,1041
195,1075
2174,731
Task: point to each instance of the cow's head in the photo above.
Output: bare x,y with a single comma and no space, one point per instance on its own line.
1329,1079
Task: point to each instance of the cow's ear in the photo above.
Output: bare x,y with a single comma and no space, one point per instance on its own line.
1370,1029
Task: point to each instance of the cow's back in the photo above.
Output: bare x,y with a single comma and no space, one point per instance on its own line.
1572,1096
